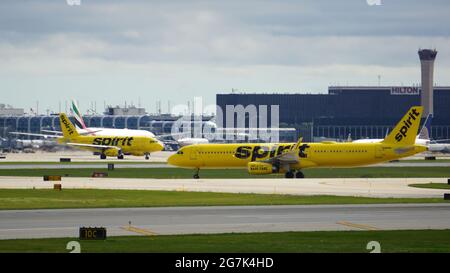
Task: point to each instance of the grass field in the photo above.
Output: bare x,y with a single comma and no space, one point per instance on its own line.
283,242
368,172
432,186
89,198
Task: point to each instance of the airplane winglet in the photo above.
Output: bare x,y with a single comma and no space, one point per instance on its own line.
299,142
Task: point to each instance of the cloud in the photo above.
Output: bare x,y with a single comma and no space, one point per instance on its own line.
203,47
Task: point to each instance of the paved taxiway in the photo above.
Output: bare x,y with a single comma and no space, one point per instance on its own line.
83,166
191,220
80,156
369,187
140,165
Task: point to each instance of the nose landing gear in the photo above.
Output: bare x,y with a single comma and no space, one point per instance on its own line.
196,175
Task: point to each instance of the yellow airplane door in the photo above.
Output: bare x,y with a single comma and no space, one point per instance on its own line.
379,151
194,154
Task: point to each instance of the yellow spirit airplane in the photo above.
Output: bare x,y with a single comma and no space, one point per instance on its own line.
111,145
291,158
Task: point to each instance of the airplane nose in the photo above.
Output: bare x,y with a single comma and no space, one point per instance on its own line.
172,160
160,146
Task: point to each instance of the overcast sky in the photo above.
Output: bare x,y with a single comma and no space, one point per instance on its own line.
117,51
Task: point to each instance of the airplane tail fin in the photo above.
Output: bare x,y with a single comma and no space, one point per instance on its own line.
67,128
426,128
79,122
405,131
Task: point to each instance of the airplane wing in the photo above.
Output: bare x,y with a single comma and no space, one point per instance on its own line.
82,133
440,141
52,132
289,157
284,158
99,147
36,135
170,135
89,132
256,129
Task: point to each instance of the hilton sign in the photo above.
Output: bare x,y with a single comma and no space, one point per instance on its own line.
414,91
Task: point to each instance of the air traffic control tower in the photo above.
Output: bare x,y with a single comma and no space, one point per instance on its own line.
427,57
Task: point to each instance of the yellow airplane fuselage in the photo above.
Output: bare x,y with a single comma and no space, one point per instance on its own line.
263,158
135,145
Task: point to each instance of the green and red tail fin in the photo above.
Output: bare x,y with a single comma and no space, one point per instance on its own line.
79,122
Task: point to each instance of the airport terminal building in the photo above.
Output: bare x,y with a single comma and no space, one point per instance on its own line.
157,124
362,111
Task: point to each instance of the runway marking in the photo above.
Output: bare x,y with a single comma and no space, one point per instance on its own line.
360,226
142,231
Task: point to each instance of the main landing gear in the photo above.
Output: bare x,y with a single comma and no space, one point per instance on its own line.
102,156
147,156
292,174
196,175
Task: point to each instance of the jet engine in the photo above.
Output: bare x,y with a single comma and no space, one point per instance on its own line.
112,152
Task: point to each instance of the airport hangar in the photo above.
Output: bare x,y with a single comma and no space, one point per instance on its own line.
362,111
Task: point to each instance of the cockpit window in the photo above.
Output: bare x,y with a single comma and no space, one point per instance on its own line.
179,152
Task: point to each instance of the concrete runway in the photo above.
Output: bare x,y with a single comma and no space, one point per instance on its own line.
139,164
369,187
191,220
84,166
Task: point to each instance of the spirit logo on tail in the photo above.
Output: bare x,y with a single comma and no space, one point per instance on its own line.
404,129
67,125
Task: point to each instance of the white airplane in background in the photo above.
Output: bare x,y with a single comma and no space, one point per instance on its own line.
423,138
